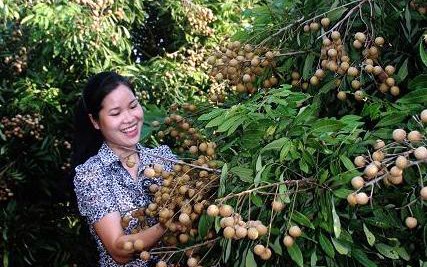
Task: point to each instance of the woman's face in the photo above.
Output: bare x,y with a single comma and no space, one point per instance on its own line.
120,119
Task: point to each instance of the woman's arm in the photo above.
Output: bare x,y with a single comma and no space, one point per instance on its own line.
110,231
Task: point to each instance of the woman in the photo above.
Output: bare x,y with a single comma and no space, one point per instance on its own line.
109,181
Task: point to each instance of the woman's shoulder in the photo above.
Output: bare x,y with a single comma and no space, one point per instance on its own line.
90,168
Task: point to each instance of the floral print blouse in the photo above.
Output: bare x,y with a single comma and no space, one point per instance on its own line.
103,185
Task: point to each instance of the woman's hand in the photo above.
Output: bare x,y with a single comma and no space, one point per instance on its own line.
110,231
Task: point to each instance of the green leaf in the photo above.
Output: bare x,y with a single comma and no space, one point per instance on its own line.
205,223
227,124
335,14
387,251
418,82
361,257
216,121
347,162
417,96
227,251
213,114
250,260
223,178
342,248
308,66
402,253
245,174
276,144
296,255
336,220
423,53
327,87
301,219
326,126
369,236
276,246
285,150
342,193
326,245
403,71
258,165
27,18
391,119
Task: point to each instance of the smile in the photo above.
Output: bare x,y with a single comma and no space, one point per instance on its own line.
129,129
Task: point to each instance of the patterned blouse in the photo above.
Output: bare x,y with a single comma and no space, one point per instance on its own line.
103,185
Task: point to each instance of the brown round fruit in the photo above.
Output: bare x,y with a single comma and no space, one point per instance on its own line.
266,254
149,172
138,244
423,193
357,182
341,95
253,233
411,222
399,135
420,153
362,198
379,41
325,22
402,162
351,199
423,116
192,262
378,155
371,171
359,161
161,264
225,210
277,206
415,136
213,210
229,232
295,231
288,241
360,36
259,249
145,255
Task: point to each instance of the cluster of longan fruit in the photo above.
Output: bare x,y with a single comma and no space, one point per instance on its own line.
240,65
177,203
18,62
233,225
199,18
408,149
21,126
314,25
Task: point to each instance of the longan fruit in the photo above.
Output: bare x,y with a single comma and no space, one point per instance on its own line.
379,144
277,206
359,161
411,222
379,41
396,171
351,199
399,135
252,233
266,254
161,264
371,171
420,153
138,244
149,172
295,231
423,116
362,198
389,69
360,36
145,255
357,182
288,241
325,22
415,136
259,249
335,35
225,210
229,232
402,162
213,210
423,193
262,229
341,95
241,232
192,262
353,71
378,155
128,245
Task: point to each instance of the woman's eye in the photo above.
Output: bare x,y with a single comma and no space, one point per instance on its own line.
114,114
133,106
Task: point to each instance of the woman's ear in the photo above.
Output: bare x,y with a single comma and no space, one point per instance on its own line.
94,122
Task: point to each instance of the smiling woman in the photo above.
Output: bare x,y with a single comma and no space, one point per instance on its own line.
109,166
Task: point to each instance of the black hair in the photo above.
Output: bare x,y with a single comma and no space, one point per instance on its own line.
88,140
